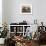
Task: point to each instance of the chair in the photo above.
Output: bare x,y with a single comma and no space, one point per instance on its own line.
42,37
9,42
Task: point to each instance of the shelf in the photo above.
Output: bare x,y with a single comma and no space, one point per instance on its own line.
19,25
12,32
17,28
19,32
16,32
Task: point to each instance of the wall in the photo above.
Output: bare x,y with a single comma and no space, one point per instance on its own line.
0,13
12,11
4,11
42,11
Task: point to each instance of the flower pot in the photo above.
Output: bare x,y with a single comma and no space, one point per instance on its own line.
2,40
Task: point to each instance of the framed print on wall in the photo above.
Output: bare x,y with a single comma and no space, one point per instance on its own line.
26,9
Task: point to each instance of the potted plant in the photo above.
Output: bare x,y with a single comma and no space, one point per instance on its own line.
3,34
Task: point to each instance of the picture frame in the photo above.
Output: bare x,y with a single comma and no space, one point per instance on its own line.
26,9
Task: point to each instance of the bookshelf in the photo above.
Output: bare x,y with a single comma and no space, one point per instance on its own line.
18,29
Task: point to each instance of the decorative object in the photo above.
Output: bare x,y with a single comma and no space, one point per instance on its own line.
35,21
3,34
26,9
28,33
2,40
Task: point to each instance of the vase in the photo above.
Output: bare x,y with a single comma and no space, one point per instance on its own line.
2,40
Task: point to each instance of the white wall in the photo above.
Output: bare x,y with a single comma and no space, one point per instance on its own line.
40,13
12,11
0,13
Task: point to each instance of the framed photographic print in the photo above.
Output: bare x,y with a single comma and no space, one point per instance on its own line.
26,9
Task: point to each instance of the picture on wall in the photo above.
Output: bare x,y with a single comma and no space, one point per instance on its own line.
26,9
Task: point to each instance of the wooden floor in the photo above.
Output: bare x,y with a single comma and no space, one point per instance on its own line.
1,45
42,45
32,45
